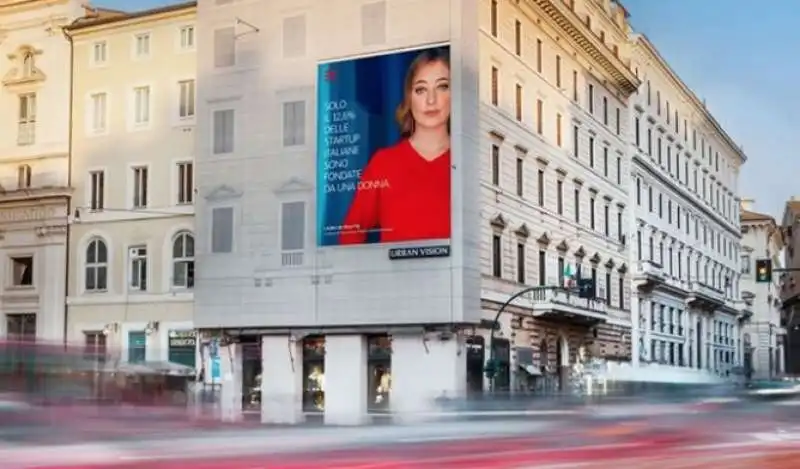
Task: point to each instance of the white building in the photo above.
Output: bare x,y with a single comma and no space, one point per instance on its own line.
538,130
764,337
34,162
685,224
132,233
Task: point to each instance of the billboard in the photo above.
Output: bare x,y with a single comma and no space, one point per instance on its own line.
383,148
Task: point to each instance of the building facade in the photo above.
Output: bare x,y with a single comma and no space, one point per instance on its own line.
539,199
764,336
131,275
34,169
790,292
685,226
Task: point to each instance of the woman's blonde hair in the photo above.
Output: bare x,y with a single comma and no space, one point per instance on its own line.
403,114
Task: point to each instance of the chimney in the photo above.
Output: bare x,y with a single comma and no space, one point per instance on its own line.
748,204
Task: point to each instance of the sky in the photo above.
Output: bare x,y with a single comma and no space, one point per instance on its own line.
737,57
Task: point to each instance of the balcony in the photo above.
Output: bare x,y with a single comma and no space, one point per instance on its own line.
648,274
560,304
704,296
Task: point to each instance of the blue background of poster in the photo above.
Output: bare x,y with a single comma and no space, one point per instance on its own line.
373,88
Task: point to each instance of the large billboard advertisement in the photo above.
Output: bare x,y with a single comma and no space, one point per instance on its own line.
383,148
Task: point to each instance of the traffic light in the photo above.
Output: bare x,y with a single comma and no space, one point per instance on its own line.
763,270
586,288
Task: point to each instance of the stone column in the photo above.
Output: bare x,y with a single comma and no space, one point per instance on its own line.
346,380
281,380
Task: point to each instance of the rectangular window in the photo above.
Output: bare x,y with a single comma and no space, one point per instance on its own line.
140,187
99,112
607,220
560,197
293,233
99,52
619,170
617,122
540,186
495,86
493,18
185,182
558,71
620,232
621,292
22,271
142,45
223,127
637,132
542,268
222,230
26,130
559,137
577,207
520,177
141,105
575,141
518,102
225,47
294,36
495,165
605,110
591,152
137,347
518,37
97,188
187,37
186,99
138,268
560,271
575,86
590,99
592,217
539,52
605,161
294,123
497,256
521,263
539,117
608,288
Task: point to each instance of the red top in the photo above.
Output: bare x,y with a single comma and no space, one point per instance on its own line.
403,196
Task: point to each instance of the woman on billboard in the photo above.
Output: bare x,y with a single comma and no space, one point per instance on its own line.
404,191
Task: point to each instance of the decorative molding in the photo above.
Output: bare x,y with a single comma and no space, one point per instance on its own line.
622,268
580,253
499,222
595,259
563,246
22,73
497,135
523,231
294,184
609,264
544,239
223,192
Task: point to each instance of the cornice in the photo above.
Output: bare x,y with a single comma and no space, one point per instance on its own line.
561,17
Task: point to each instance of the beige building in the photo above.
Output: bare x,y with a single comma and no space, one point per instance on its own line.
34,155
131,272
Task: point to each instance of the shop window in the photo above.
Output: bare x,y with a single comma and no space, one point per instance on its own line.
182,347
251,372
502,355
476,357
313,374
379,369
137,346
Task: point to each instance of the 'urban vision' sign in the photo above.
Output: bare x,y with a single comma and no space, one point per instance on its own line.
422,252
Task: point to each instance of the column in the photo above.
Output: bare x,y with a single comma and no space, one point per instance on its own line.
648,326
346,380
281,380
230,365
426,370
737,341
637,308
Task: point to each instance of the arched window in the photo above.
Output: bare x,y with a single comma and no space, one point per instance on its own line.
96,266
183,260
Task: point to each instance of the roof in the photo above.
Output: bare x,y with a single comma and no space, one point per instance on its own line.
749,216
96,16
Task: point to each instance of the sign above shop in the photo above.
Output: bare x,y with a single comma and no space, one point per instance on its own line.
422,252
182,339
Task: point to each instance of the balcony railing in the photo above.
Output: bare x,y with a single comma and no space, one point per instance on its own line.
26,133
555,300
707,291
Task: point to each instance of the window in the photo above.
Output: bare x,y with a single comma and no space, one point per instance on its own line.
520,177
605,110
518,103
590,99
183,260
22,271
591,152
746,264
94,346
187,99
26,131
518,37
96,270
495,165
294,36
540,186
140,187
187,37
224,47
373,23
637,131
575,141
138,268
577,208
142,45
620,233
495,86
497,256
185,182
608,288
539,116
605,161
560,197
621,292
99,52
539,54
223,131
97,190
558,71
606,220
575,85
141,105
24,176
559,137
542,268
294,123
493,18
592,218
293,233
137,346
99,112
222,230
619,170
617,122
521,263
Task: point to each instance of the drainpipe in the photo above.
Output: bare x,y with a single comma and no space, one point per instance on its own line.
68,37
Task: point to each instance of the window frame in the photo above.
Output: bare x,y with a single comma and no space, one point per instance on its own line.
97,265
185,259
